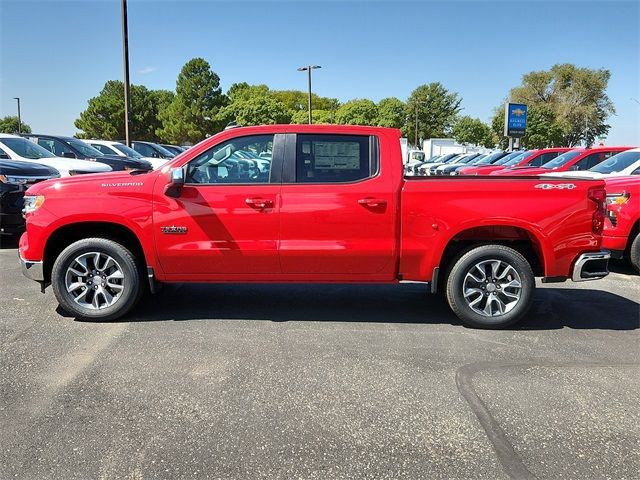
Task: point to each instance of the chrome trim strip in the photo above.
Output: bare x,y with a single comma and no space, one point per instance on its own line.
586,258
31,269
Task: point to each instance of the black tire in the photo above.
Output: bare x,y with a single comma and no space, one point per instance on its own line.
513,311
634,253
128,297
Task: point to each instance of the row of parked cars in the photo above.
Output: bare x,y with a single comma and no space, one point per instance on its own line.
618,166
30,158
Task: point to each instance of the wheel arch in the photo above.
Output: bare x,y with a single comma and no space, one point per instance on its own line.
65,235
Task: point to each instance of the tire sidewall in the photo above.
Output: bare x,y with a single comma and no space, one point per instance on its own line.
462,266
120,254
634,253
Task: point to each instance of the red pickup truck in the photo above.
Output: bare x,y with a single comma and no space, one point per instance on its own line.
622,227
528,158
579,159
310,203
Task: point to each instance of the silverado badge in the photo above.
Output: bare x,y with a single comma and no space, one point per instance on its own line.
174,230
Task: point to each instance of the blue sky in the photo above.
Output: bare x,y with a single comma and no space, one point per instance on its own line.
55,55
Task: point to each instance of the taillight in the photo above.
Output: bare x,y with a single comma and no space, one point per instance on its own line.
599,196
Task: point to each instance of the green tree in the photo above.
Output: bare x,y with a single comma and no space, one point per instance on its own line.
193,112
104,116
319,117
253,105
392,112
9,124
296,100
357,112
577,96
437,108
468,130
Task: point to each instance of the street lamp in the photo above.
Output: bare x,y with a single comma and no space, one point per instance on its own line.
125,61
308,70
17,99
416,126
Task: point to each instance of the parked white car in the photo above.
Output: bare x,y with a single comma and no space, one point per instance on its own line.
19,148
109,147
619,165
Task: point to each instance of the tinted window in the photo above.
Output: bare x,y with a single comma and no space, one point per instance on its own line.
129,152
26,148
54,146
518,158
618,162
103,149
144,149
332,158
227,162
542,159
560,160
592,160
84,148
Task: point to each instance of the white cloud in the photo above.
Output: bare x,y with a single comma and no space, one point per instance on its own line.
147,70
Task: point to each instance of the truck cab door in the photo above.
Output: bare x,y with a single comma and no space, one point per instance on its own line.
226,217
338,209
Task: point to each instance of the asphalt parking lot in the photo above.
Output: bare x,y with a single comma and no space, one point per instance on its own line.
273,381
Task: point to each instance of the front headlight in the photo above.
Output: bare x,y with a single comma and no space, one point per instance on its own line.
13,180
32,203
618,198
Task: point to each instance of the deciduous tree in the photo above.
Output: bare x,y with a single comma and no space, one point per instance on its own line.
9,124
437,109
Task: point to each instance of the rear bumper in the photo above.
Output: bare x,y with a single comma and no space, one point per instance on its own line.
32,269
591,266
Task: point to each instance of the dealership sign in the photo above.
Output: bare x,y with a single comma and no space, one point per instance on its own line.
515,119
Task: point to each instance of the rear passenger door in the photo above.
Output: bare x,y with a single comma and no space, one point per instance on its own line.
337,208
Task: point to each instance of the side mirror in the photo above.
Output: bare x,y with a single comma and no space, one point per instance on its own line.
155,155
176,182
4,156
69,155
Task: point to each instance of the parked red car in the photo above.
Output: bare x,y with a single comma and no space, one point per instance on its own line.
530,158
622,226
332,206
573,160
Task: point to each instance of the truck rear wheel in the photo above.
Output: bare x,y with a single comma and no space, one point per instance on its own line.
634,253
490,286
96,279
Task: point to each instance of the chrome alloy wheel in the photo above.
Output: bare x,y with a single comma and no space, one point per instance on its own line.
94,280
492,287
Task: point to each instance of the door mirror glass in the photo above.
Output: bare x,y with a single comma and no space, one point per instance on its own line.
176,182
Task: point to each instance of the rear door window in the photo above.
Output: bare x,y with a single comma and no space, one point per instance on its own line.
334,158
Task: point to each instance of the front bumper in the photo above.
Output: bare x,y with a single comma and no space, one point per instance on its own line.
591,266
32,269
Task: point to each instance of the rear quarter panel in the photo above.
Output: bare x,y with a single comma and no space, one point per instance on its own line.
437,210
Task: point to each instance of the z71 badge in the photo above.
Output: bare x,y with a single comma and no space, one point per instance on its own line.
559,186
174,230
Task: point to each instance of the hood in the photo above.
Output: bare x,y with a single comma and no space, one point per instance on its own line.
26,169
95,180
65,165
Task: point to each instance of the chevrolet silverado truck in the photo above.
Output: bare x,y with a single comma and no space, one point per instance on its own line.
331,206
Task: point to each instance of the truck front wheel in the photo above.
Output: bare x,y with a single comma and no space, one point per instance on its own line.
490,286
634,253
96,279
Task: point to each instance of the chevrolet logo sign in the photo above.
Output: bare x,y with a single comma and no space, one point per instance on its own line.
174,230
518,112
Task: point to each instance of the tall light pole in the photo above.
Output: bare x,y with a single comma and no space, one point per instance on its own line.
17,99
308,69
125,59
416,126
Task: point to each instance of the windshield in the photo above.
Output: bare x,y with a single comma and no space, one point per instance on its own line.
617,162
26,148
162,150
518,158
489,158
507,157
563,159
129,152
83,148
